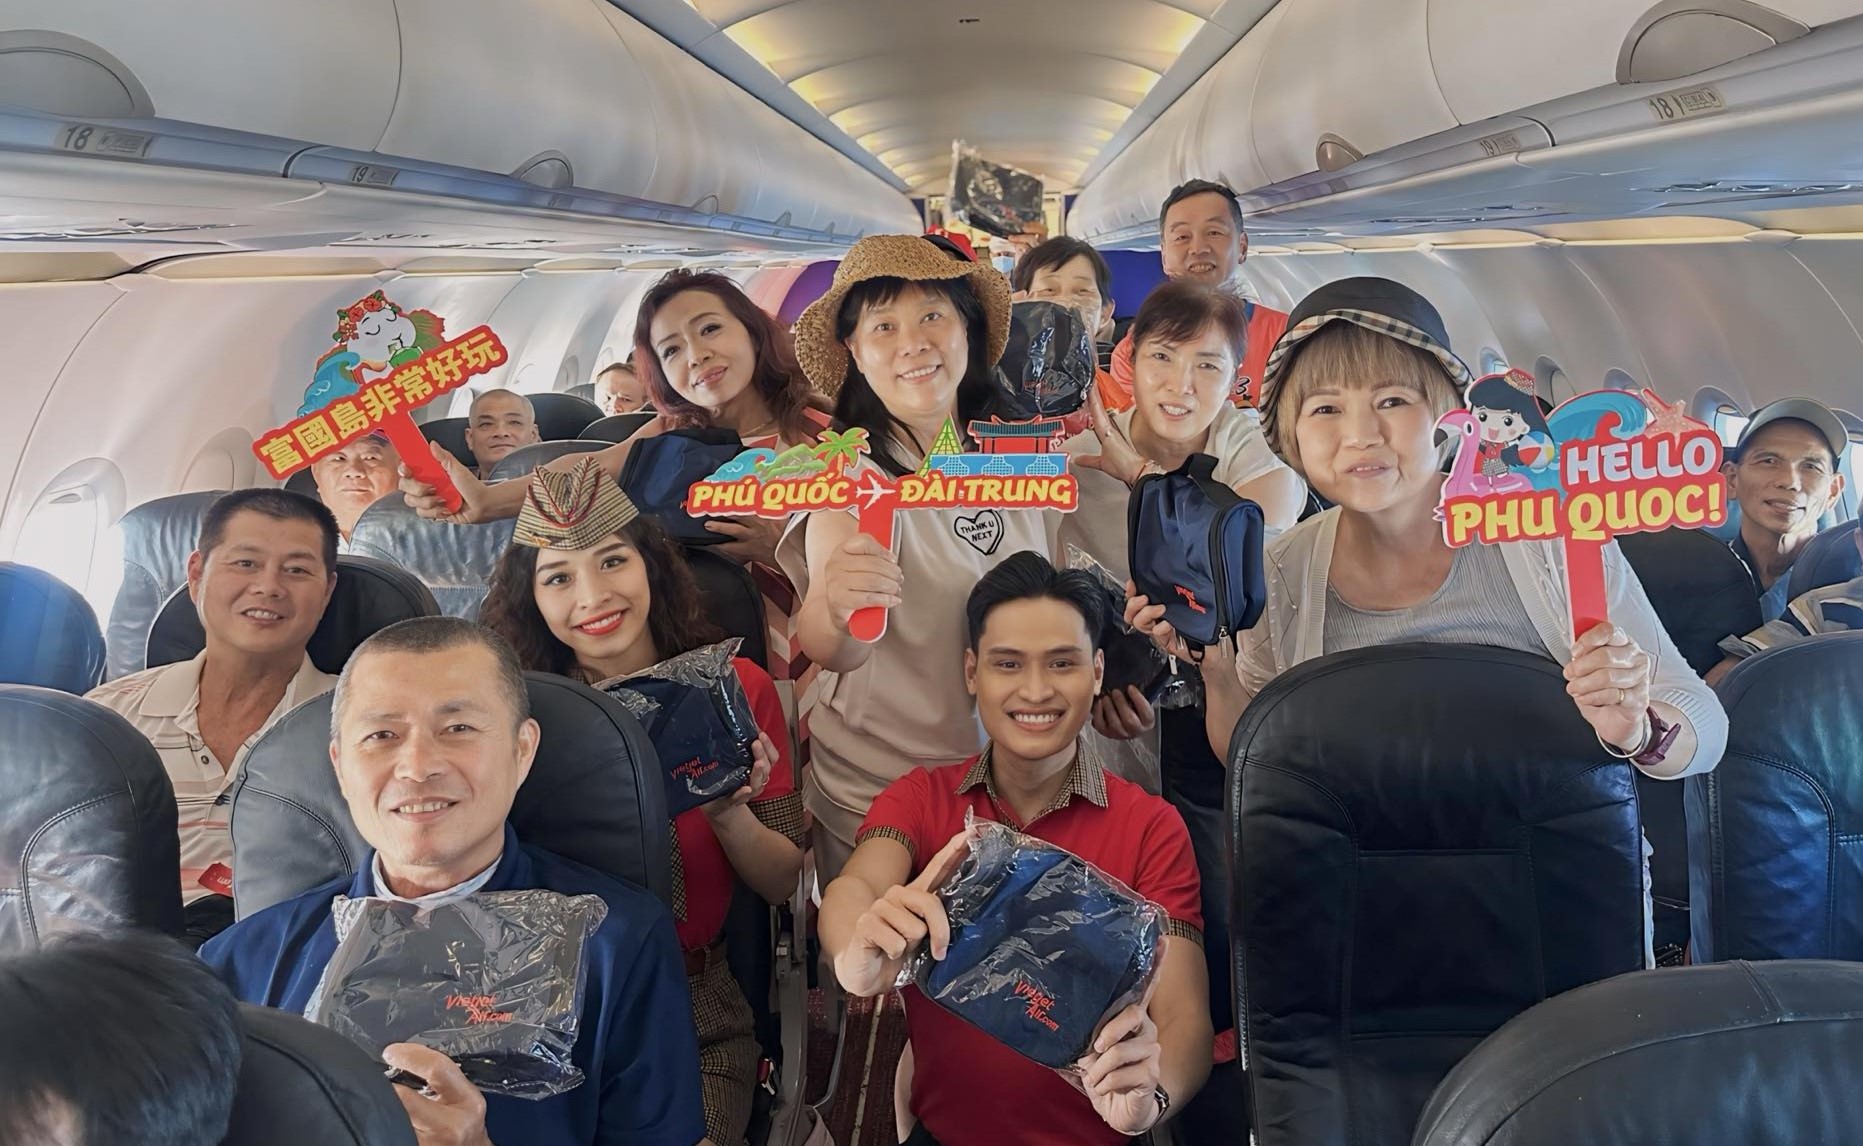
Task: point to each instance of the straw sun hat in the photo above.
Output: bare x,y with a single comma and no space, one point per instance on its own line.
823,356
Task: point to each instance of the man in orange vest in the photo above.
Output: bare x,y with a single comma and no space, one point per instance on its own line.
1203,241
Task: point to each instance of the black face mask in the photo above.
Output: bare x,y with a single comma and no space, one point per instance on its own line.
1049,362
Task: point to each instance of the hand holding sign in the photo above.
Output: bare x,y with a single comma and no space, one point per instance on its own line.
387,362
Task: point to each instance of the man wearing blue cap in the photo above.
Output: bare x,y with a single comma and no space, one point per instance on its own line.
1784,472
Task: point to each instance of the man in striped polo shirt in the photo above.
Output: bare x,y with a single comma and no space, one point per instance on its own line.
260,576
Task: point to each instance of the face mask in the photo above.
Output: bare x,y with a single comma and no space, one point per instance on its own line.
1003,263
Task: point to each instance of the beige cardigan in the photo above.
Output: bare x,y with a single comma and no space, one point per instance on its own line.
1293,627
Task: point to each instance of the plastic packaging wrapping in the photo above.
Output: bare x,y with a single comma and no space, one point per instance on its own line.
1049,363
990,197
1132,658
1045,947
494,981
694,710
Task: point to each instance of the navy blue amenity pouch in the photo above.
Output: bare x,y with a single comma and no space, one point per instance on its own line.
1045,947
1195,548
695,712
659,470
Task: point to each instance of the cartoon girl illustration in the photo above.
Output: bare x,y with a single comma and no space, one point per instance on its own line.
1513,430
373,336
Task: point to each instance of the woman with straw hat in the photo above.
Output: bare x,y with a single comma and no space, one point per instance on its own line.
905,340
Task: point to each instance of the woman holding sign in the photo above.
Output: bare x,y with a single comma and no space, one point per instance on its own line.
590,590
905,341
1354,390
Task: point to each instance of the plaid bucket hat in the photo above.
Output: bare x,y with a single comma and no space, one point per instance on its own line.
823,357
572,510
1378,305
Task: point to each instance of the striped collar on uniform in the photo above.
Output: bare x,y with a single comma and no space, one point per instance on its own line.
1085,778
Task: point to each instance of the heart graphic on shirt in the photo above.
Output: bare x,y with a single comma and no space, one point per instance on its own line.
983,530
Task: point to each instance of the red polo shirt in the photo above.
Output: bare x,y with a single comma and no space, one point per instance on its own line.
703,881
967,1087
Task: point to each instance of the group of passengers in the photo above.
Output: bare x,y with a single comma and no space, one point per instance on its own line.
982,698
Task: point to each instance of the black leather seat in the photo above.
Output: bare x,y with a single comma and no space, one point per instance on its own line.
48,632
521,461
586,391
451,434
617,427
1703,594
87,822
1830,558
304,482
158,536
302,1085
561,417
455,562
1426,840
732,601
595,795
370,596
1776,830
1734,1054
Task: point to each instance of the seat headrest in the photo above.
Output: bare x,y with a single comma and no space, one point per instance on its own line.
455,562
451,434
158,536
305,482
1724,1054
1702,593
616,427
732,600
561,417
594,795
1830,558
1775,828
370,596
87,828
585,391
303,1085
48,632
519,462
1406,880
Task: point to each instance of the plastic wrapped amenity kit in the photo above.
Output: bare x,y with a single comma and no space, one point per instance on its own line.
990,197
1045,947
494,981
694,710
1049,364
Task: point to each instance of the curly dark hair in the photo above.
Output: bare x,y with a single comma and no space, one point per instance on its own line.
777,377
675,616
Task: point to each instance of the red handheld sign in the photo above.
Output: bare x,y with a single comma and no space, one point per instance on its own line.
387,363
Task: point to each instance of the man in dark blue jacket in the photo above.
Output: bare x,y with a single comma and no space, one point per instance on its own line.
431,735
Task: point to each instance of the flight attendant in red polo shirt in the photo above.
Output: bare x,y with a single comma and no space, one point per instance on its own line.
1034,666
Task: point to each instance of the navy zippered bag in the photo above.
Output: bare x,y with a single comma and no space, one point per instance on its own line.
1195,548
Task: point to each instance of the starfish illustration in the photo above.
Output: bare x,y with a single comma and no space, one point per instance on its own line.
1666,419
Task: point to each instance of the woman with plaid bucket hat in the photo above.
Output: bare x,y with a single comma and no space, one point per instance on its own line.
905,339
1352,394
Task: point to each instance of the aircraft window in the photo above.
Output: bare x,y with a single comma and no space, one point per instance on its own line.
1491,361
1615,379
1728,423
71,532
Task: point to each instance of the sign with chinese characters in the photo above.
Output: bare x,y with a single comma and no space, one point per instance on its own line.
1599,466
388,361
1015,467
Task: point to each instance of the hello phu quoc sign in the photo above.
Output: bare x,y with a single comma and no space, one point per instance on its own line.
1599,466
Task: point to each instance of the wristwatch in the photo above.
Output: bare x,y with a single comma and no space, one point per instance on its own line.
1655,747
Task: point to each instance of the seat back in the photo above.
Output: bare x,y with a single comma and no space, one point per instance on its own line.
732,601
370,596
48,632
451,434
617,427
455,562
158,536
561,417
305,482
1406,880
521,461
1776,830
303,1085
1703,594
594,795
1830,558
1733,1054
586,391
87,825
